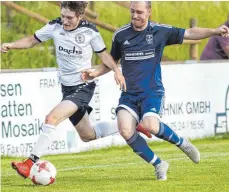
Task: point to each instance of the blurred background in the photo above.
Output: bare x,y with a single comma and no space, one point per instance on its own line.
20,19
196,104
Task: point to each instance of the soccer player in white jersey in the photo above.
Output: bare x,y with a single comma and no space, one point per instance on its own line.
139,45
75,40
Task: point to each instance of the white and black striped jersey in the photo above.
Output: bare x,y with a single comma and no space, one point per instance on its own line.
73,48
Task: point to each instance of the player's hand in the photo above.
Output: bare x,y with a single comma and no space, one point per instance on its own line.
6,47
88,74
223,31
120,80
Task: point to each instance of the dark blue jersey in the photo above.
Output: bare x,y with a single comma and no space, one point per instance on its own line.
141,52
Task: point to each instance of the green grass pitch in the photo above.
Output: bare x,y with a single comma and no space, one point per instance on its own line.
119,169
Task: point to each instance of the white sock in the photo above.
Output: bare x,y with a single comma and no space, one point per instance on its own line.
44,140
104,129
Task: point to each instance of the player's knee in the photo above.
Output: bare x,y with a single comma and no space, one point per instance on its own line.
126,133
51,120
125,130
151,124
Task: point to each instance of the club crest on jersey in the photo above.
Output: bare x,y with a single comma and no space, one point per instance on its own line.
149,38
80,38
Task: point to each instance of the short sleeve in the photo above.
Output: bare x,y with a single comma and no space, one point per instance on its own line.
115,49
97,43
175,36
45,33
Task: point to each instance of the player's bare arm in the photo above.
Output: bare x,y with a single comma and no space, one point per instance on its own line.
197,33
23,43
90,74
109,62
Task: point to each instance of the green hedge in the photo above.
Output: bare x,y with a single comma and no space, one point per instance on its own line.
208,14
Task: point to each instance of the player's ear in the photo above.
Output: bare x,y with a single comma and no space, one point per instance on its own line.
81,16
150,11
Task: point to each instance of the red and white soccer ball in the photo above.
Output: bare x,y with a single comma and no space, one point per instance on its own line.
43,173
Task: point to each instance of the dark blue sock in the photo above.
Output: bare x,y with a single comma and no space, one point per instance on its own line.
166,133
141,148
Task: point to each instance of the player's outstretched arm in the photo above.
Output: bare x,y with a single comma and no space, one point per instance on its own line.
109,62
23,43
101,70
197,33
90,74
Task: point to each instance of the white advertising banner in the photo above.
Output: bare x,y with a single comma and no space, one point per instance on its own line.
195,95
196,106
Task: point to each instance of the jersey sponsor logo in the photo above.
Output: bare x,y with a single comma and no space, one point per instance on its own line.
80,38
139,55
69,51
149,38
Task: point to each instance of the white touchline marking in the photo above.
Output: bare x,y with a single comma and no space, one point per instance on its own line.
204,155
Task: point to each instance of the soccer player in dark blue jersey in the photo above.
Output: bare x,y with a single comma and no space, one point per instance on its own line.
140,45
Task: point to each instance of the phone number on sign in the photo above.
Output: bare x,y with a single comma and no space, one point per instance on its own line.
10,149
180,125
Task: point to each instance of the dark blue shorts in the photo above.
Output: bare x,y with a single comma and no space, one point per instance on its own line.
142,105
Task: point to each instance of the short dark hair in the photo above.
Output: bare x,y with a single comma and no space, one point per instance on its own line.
77,6
148,4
